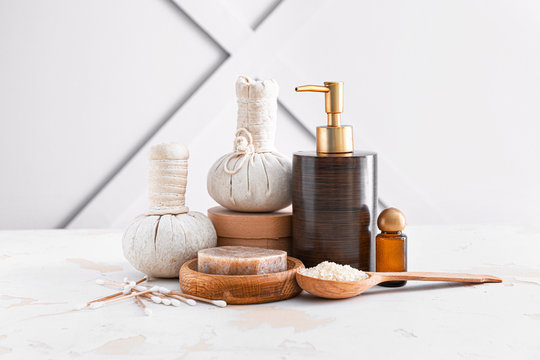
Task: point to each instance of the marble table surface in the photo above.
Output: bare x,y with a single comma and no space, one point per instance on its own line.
44,274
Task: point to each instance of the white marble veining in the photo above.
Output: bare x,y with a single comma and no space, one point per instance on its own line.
44,274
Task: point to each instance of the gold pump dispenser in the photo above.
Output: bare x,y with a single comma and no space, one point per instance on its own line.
334,138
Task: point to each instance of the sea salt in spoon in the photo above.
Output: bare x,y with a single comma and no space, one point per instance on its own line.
332,289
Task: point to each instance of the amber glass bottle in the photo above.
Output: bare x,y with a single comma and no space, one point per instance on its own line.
391,245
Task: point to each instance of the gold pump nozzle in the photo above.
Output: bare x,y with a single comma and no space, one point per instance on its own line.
334,138
333,99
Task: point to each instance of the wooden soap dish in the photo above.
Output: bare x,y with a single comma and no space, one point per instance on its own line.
241,289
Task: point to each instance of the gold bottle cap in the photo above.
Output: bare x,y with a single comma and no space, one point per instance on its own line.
333,138
391,220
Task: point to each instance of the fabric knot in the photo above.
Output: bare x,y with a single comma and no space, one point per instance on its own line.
243,146
244,143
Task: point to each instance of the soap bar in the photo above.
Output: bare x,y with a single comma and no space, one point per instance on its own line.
241,260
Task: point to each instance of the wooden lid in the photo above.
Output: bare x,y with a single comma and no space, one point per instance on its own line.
391,220
241,225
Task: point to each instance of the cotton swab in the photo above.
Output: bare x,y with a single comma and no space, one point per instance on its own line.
181,298
178,296
154,298
163,299
126,288
96,305
218,303
99,304
175,301
147,311
82,306
167,301
164,290
128,283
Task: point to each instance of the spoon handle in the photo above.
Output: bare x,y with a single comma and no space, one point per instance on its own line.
438,276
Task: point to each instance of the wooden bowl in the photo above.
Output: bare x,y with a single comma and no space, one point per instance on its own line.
241,289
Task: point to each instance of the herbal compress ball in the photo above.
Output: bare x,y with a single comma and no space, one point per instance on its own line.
255,177
159,242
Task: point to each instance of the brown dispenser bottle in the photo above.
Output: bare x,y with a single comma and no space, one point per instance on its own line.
334,193
391,244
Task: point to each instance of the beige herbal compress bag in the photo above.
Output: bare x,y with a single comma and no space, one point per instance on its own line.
160,241
255,177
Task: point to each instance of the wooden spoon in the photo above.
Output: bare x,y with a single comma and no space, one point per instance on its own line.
332,289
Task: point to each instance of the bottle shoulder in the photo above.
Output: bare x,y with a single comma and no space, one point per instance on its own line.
357,153
392,236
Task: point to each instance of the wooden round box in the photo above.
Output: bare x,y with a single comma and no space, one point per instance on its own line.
265,230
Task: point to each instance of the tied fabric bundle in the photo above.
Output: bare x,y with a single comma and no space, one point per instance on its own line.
160,241
254,177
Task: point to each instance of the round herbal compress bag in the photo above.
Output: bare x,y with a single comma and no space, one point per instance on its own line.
255,177
160,241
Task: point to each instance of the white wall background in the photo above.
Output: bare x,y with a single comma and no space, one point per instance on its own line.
447,92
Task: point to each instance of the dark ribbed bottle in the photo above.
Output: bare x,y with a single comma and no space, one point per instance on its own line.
334,208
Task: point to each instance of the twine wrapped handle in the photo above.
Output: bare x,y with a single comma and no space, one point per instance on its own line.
168,179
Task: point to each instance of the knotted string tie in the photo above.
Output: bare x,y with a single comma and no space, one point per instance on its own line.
244,149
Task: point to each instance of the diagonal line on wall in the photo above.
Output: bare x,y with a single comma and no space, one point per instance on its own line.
199,27
144,140
260,19
297,121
